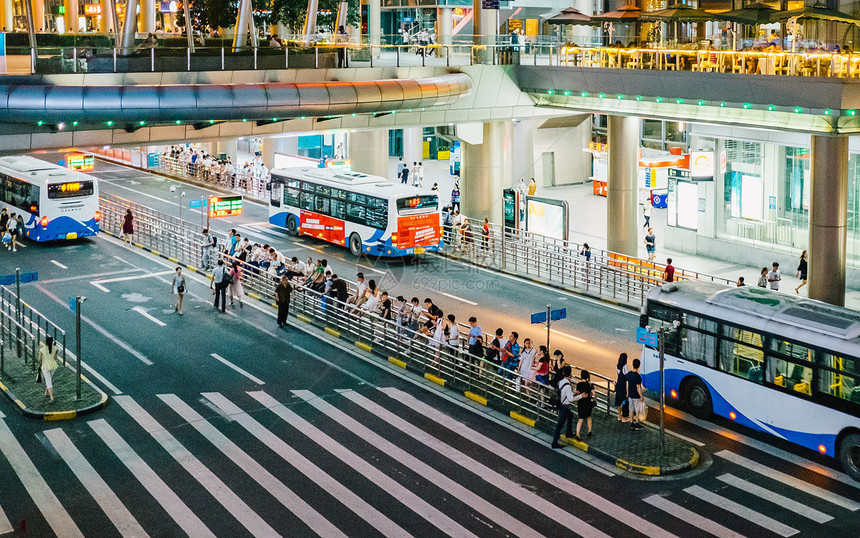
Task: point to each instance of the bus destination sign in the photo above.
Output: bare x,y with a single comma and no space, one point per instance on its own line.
225,206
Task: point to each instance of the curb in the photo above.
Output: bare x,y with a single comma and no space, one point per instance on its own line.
575,291
648,470
57,415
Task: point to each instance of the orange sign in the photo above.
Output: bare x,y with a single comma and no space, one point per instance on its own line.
418,231
322,227
92,9
598,147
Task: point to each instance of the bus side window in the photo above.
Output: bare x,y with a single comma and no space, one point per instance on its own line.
789,375
306,201
839,377
338,210
738,356
696,344
276,193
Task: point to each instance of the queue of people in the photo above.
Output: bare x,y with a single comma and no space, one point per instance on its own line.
252,176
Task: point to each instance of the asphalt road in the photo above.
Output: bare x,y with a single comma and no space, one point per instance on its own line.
592,336
263,440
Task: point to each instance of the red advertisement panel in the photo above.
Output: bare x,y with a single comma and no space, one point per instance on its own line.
418,231
323,227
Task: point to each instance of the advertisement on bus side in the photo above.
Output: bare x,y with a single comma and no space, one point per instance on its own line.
418,230
322,227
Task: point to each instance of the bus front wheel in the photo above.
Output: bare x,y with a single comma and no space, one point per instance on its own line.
698,398
292,226
355,244
849,454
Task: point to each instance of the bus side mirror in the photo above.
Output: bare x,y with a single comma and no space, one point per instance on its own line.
643,320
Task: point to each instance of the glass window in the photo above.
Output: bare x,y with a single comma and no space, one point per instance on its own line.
797,183
699,347
20,194
790,349
740,357
357,198
337,193
839,377
663,313
321,205
291,195
338,209
306,201
377,217
789,375
356,213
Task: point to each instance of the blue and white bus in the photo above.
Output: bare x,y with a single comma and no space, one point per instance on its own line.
778,363
56,203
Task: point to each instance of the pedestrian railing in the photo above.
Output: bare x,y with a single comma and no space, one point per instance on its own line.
603,273
23,329
449,365
245,181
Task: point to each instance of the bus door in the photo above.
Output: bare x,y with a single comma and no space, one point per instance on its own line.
276,192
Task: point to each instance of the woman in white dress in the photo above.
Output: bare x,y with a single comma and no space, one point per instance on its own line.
527,357
236,289
372,293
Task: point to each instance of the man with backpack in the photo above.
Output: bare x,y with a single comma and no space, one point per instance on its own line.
565,398
218,283
510,356
209,243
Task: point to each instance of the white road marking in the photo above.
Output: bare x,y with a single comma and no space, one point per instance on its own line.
375,270
85,277
99,286
688,516
135,277
45,500
466,496
140,310
5,525
107,500
58,264
313,519
394,488
359,506
575,338
172,504
458,298
218,489
256,380
780,500
104,332
765,447
741,511
789,480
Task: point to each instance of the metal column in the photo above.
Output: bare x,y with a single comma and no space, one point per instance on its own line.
311,21
129,27
828,218
622,201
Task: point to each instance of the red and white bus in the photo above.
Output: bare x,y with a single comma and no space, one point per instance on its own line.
368,214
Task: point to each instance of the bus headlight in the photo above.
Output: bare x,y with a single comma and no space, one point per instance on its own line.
44,222
98,216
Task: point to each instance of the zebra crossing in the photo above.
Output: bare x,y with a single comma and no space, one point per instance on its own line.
378,461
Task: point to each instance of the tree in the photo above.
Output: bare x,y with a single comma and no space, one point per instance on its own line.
220,13
290,13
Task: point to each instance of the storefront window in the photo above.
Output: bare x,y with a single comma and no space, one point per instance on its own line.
796,194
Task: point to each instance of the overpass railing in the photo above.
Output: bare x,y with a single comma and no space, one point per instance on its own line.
245,181
447,364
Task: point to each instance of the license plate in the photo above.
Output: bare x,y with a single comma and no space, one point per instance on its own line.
419,251
72,235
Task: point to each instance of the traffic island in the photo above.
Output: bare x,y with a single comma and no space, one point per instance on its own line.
19,386
636,451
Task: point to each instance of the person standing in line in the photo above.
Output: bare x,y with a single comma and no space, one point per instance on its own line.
741,282
651,245
282,299
774,276
404,175
455,197
453,333
48,364
621,388
127,226
527,358
236,289
218,283
635,397
400,166
360,287
585,394
209,243
762,279
565,415
669,271
532,187
476,339
646,212
801,271
178,287
338,290
542,362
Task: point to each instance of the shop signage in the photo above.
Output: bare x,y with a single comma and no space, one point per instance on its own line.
80,162
225,206
169,7
678,173
598,147
490,4
702,164
92,9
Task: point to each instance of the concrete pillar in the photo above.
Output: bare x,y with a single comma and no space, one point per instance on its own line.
228,147
39,15
147,16
374,24
622,204
486,28
368,151
71,15
487,170
446,26
413,147
270,146
5,21
106,18
828,219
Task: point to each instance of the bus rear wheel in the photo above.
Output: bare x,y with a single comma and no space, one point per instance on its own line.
698,398
355,244
292,226
849,455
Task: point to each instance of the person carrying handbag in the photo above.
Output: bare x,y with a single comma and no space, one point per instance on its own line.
47,365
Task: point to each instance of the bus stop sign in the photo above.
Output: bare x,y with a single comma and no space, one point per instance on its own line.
645,337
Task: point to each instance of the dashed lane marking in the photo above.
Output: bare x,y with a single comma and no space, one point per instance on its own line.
253,378
58,264
140,310
99,286
458,298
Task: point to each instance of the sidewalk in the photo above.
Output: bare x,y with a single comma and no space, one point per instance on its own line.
20,387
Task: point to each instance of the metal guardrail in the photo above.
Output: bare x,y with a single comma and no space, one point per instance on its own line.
25,328
440,362
243,181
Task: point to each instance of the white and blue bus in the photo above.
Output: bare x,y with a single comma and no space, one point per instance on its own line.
368,214
56,203
778,363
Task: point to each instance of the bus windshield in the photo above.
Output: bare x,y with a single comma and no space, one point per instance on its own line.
410,205
70,190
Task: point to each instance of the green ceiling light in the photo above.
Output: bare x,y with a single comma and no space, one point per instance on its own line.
567,92
274,119
747,106
244,120
550,92
638,97
353,114
141,122
393,111
211,122
659,99
410,110
109,123
770,107
679,101
852,112
74,124
701,102
827,111
302,118
620,96
601,95
584,94
40,123
723,104
178,122
798,110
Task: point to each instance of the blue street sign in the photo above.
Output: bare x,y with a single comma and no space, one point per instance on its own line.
556,315
540,317
73,304
195,203
645,337
8,280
